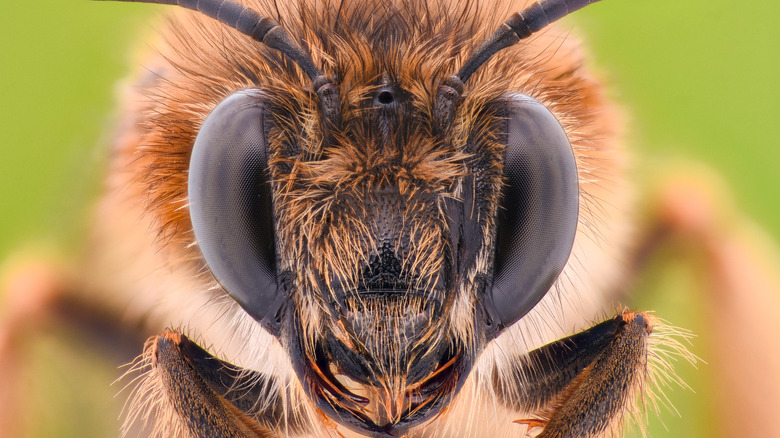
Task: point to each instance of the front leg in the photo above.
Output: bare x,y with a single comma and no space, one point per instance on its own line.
582,385
190,393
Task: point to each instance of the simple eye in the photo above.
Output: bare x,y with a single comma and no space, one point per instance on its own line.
230,204
539,209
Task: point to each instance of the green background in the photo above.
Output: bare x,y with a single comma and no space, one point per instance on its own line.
699,77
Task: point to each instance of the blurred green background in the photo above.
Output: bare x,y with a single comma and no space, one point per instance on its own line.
699,77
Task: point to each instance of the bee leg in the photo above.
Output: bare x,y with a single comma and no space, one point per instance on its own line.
738,265
208,397
581,385
37,300
27,291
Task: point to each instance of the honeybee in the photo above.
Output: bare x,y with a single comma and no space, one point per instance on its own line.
358,262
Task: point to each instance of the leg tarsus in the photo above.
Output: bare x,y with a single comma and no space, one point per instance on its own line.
581,385
538,377
595,401
203,412
187,388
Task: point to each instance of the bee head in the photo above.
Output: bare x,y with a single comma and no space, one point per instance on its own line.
387,221
363,240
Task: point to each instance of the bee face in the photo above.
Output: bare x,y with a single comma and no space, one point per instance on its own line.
368,247
383,232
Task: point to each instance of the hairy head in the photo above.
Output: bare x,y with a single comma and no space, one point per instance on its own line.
383,250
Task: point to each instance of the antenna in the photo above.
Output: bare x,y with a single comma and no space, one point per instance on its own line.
519,26
267,31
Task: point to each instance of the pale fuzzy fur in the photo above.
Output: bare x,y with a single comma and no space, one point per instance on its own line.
141,252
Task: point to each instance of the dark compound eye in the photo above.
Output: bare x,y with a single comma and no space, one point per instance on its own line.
230,205
539,209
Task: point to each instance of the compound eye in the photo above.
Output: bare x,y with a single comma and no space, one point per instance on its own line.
537,220
231,207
